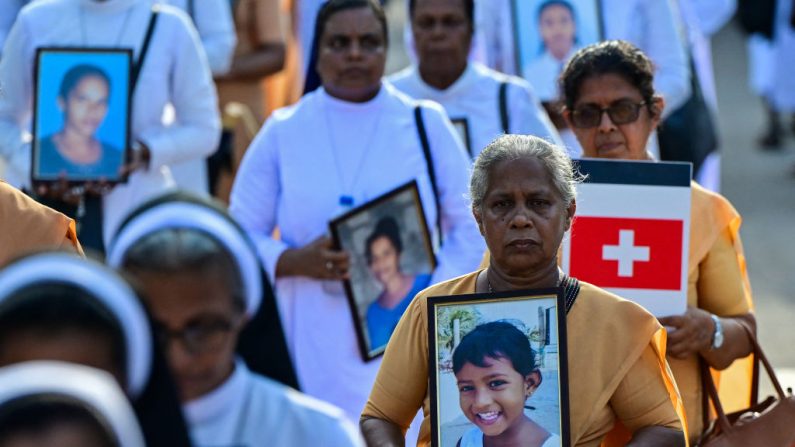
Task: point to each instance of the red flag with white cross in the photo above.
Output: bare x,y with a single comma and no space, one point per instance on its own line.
631,232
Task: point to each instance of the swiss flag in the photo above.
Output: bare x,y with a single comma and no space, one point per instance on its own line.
627,252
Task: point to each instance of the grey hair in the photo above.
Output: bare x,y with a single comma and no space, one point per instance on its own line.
177,250
515,147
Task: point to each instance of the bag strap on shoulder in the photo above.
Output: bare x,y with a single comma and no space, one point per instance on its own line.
426,152
571,290
503,98
150,30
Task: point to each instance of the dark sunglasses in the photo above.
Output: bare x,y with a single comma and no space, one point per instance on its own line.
620,112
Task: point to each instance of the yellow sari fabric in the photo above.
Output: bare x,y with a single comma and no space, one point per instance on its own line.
29,227
617,369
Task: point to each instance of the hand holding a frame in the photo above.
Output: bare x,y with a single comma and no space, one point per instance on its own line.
318,260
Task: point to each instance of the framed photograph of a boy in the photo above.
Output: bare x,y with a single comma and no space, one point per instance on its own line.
547,33
391,259
81,114
498,369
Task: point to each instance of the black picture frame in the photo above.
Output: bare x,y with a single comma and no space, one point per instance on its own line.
527,42
352,231
469,309
57,68
461,125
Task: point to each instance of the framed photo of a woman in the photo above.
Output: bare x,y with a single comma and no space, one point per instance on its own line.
81,114
498,369
547,34
392,260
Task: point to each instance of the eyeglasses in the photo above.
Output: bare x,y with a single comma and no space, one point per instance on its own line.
197,337
620,112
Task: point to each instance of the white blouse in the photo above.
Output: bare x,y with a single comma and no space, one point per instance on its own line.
292,177
175,71
253,411
474,97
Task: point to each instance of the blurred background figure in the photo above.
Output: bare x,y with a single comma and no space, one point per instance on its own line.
56,404
56,306
203,283
481,102
342,145
173,71
8,13
29,226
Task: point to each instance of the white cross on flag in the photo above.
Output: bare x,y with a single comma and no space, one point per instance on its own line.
631,232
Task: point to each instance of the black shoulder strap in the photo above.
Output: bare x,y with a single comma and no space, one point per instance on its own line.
571,289
191,10
150,29
504,107
426,151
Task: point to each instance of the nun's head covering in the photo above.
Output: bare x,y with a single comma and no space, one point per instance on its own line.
180,211
261,344
93,389
149,383
100,282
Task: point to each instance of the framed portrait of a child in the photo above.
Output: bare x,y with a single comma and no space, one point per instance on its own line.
81,114
498,369
392,259
547,33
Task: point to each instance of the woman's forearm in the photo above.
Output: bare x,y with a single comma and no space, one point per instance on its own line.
657,436
378,432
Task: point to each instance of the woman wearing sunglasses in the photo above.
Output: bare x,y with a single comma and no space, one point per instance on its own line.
612,107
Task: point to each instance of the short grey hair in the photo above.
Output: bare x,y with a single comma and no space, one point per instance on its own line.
516,147
177,250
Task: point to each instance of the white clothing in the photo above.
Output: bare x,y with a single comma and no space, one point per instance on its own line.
253,411
8,14
475,97
474,438
543,74
307,13
305,158
175,71
652,25
213,21
94,389
783,90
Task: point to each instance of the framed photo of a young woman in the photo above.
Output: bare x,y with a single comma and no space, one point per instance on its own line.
391,260
498,369
81,114
547,33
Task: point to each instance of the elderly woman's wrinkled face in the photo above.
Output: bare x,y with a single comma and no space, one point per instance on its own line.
522,217
352,55
607,139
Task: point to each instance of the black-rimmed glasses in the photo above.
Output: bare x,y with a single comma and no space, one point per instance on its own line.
197,337
620,112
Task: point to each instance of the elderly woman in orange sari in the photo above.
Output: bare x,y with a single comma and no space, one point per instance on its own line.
523,199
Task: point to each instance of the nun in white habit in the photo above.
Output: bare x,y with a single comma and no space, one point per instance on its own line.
482,103
57,306
202,281
84,405
343,145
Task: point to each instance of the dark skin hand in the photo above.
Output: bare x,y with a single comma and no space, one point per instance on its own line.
62,191
378,432
313,259
657,436
693,331
267,60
